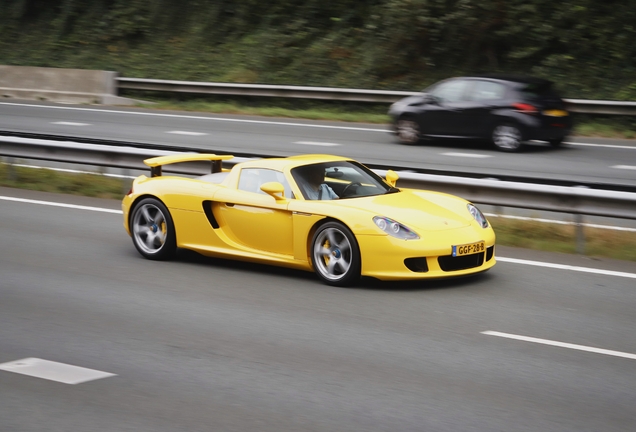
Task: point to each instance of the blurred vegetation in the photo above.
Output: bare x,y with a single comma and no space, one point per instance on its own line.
585,46
510,232
47,180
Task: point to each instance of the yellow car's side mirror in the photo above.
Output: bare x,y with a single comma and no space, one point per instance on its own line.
274,189
392,177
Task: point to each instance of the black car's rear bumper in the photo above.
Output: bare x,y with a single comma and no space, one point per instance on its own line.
546,128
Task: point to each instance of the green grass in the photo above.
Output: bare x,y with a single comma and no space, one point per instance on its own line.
605,130
317,113
46,180
525,234
585,125
562,238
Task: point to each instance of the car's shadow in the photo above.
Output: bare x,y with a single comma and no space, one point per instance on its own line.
531,147
365,283
424,284
191,257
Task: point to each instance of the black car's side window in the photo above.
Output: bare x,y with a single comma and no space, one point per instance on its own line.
451,91
487,91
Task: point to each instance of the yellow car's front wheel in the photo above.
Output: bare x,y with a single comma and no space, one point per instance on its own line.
335,254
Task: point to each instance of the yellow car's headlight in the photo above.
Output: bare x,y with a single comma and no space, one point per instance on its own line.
478,215
395,228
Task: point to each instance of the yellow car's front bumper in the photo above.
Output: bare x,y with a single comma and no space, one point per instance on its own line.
389,258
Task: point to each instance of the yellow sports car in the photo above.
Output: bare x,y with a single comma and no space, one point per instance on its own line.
321,213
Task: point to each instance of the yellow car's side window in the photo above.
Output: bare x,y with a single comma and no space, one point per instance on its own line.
251,180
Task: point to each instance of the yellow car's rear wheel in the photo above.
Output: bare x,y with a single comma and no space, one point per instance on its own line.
153,230
335,255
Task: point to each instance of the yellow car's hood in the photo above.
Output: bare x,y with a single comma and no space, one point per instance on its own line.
420,210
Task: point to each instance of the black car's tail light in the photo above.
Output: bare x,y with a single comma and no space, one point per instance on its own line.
525,108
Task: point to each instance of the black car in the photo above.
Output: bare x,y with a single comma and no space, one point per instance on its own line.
506,110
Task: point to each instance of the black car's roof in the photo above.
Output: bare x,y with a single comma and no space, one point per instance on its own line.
517,82
521,79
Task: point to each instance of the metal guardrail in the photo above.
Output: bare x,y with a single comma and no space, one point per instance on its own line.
583,106
144,147
325,93
561,199
573,200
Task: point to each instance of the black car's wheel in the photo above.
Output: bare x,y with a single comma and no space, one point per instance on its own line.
507,137
153,230
407,130
335,254
556,142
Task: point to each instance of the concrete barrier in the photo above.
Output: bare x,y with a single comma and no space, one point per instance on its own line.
60,85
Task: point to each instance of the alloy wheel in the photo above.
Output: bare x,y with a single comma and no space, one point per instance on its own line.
507,138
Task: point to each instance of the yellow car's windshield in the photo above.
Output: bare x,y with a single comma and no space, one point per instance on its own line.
338,180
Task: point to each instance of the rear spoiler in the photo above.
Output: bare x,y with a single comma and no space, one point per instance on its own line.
156,163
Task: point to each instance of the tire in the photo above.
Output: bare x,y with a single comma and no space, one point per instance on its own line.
152,230
335,255
556,142
507,137
407,130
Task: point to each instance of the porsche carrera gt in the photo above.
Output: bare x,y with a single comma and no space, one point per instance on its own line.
321,213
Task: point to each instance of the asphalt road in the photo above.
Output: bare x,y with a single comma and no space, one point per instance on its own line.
585,160
210,345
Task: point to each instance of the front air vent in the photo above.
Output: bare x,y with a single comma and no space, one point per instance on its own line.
417,265
490,252
450,263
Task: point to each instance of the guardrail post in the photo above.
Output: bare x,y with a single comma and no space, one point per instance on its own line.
11,174
580,234
125,181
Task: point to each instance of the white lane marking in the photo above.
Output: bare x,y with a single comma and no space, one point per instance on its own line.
624,167
256,121
468,155
187,133
54,371
499,258
153,114
601,145
561,344
56,204
314,143
560,222
65,123
567,267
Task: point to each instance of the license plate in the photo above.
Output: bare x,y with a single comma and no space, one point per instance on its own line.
555,113
469,249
